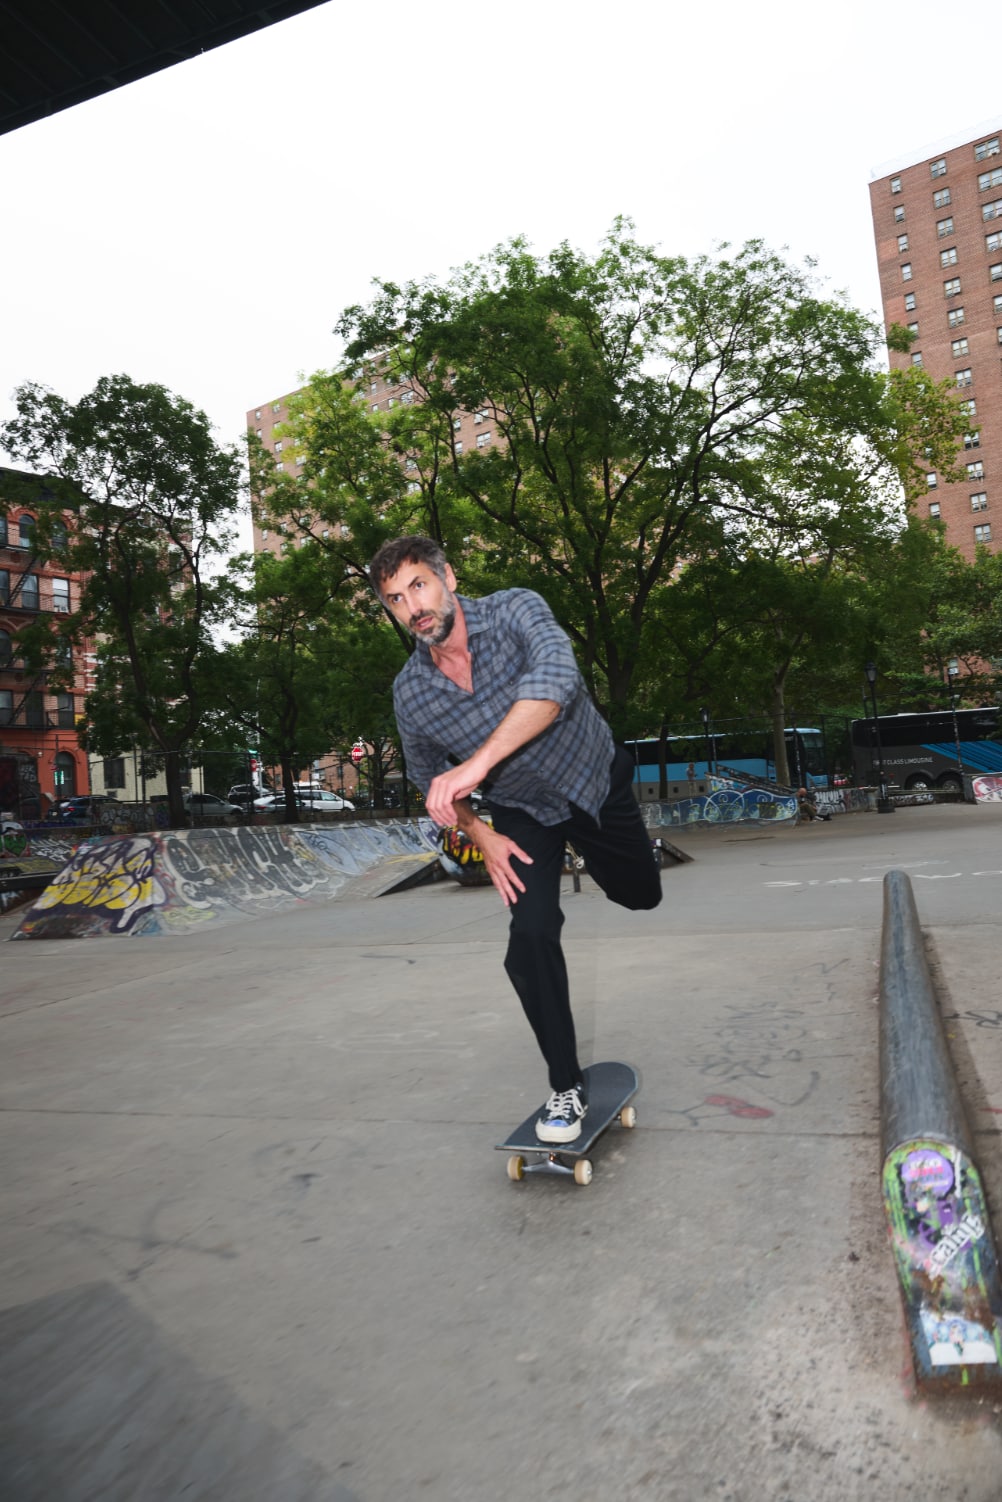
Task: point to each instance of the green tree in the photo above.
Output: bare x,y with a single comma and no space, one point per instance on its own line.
650,411
152,496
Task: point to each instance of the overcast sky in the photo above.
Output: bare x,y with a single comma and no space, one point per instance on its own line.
205,226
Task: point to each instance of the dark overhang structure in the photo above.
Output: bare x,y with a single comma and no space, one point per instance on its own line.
56,53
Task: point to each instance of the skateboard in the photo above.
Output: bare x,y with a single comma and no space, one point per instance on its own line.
609,1087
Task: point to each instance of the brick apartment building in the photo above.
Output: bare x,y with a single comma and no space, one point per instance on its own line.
40,753
937,224
471,430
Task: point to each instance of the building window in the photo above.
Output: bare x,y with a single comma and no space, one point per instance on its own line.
895,185
972,440
458,446
933,508
995,273
941,198
992,179
964,377
952,287
899,213
410,464
916,357
970,407
34,711
3,531
976,469
948,257
457,423
985,149
913,329
992,210
930,482
406,397
954,318
114,772
906,276
994,242
997,302
959,347
375,406
6,706
938,168
26,531
902,242
483,439
64,711
277,407
61,596
4,586
6,650
278,445
944,227
979,501
29,591
999,335
909,302
983,533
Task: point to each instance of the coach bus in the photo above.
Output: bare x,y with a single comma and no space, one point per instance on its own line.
747,750
930,749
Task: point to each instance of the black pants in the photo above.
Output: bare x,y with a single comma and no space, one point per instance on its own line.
618,856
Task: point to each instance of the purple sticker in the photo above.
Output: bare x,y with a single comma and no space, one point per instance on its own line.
924,1168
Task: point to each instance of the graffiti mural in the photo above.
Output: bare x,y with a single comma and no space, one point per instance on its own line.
145,884
987,788
942,1243
110,886
728,803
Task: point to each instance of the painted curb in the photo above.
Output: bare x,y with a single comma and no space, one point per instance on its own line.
934,1200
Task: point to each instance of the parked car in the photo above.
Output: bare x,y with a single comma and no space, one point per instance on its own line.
244,793
84,809
208,806
313,798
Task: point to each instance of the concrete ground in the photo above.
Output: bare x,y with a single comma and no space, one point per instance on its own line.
255,1242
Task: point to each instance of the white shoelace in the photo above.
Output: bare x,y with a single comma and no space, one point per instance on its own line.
565,1103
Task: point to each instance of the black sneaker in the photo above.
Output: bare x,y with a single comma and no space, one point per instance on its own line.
562,1115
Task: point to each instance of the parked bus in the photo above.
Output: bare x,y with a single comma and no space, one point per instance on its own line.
921,750
747,750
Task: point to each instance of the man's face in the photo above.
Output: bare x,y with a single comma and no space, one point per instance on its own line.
420,601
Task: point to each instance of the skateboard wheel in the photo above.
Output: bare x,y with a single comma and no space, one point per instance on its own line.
516,1167
582,1171
628,1116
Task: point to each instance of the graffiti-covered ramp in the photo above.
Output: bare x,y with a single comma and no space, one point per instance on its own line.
179,881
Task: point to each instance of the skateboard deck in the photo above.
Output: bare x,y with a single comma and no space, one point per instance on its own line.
610,1087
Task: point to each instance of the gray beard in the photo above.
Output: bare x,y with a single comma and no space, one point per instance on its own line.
441,631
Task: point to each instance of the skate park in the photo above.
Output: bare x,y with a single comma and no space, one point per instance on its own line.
257,1241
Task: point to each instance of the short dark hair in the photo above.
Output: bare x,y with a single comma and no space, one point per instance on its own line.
392,556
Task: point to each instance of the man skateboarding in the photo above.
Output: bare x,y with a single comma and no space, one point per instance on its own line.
492,698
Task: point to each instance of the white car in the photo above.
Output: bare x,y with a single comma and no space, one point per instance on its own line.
208,806
325,802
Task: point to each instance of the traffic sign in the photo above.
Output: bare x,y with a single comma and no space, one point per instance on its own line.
357,752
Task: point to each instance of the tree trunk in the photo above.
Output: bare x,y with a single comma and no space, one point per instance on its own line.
289,786
779,730
177,814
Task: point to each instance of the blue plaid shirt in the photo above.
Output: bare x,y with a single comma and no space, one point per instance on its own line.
518,652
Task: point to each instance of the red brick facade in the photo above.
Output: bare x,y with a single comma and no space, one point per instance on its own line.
36,720
937,225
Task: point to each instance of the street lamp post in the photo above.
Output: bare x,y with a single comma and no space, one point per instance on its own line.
704,715
884,804
952,670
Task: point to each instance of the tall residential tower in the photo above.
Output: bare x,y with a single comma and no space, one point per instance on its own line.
937,223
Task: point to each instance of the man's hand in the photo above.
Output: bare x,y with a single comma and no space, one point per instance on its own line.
448,788
498,851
